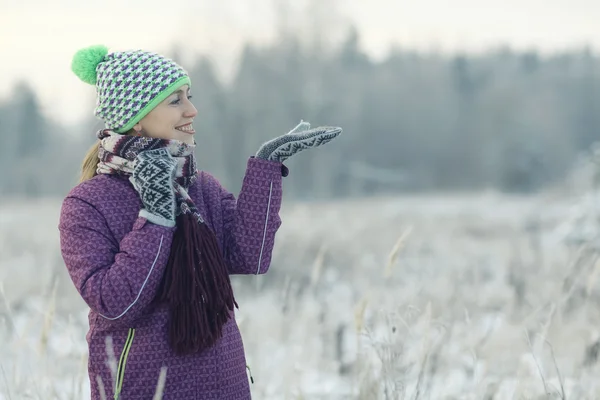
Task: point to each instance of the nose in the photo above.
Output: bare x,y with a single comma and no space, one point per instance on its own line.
190,110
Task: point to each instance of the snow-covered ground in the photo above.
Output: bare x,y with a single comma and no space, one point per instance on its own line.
478,296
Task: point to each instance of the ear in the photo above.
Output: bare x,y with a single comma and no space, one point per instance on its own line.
138,129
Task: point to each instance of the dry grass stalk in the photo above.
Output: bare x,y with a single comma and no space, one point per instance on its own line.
426,351
101,388
368,387
544,331
570,282
112,360
82,373
593,277
318,266
48,320
435,356
366,383
563,396
56,395
287,286
5,382
160,387
387,273
546,391
537,346
9,312
359,315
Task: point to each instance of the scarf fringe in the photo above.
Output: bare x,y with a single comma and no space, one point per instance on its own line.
197,287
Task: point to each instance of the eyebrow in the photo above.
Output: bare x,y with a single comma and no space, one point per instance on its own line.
180,91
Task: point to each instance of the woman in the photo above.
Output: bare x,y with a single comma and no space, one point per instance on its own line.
149,241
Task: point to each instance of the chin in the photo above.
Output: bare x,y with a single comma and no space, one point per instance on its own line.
188,140
185,138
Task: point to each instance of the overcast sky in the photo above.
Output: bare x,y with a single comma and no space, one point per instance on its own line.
38,38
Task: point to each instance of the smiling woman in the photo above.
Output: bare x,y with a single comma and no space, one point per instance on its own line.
149,241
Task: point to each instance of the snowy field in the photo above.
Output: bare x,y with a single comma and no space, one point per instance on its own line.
427,297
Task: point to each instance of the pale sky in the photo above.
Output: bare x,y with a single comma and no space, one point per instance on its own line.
38,38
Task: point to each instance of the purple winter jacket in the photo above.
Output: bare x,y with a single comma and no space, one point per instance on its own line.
116,261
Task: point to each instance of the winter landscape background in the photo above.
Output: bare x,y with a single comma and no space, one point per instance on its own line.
444,247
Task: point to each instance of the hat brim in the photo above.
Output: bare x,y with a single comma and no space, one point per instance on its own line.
185,80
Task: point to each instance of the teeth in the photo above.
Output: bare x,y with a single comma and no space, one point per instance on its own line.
187,128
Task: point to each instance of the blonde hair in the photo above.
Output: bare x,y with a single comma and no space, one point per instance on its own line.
90,163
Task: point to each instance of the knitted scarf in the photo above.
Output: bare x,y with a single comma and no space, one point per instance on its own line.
196,282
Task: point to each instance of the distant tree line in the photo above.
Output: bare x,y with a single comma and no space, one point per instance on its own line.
515,121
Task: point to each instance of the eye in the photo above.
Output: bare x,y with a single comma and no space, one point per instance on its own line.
176,101
190,96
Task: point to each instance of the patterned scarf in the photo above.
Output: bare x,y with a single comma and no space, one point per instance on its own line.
196,282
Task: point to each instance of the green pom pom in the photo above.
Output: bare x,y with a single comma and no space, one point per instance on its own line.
85,62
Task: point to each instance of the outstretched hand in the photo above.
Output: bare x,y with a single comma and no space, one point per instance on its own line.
300,138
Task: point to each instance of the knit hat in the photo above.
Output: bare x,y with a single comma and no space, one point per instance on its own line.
129,84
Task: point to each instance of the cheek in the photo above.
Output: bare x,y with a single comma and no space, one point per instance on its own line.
161,123
169,122
160,128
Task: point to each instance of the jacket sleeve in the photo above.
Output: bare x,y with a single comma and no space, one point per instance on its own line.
251,222
116,280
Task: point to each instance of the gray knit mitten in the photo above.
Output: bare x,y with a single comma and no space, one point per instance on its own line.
153,177
298,139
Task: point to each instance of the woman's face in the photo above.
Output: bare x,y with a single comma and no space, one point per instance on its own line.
171,119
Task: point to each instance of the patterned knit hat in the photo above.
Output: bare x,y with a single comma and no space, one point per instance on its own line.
129,84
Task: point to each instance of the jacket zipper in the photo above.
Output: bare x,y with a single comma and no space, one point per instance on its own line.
122,362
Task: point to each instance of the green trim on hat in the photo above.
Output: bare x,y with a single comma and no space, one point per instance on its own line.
155,101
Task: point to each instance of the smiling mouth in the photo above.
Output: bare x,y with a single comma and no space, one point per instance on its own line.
188,128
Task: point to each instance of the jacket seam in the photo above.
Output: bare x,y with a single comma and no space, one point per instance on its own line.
143,285
265,230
